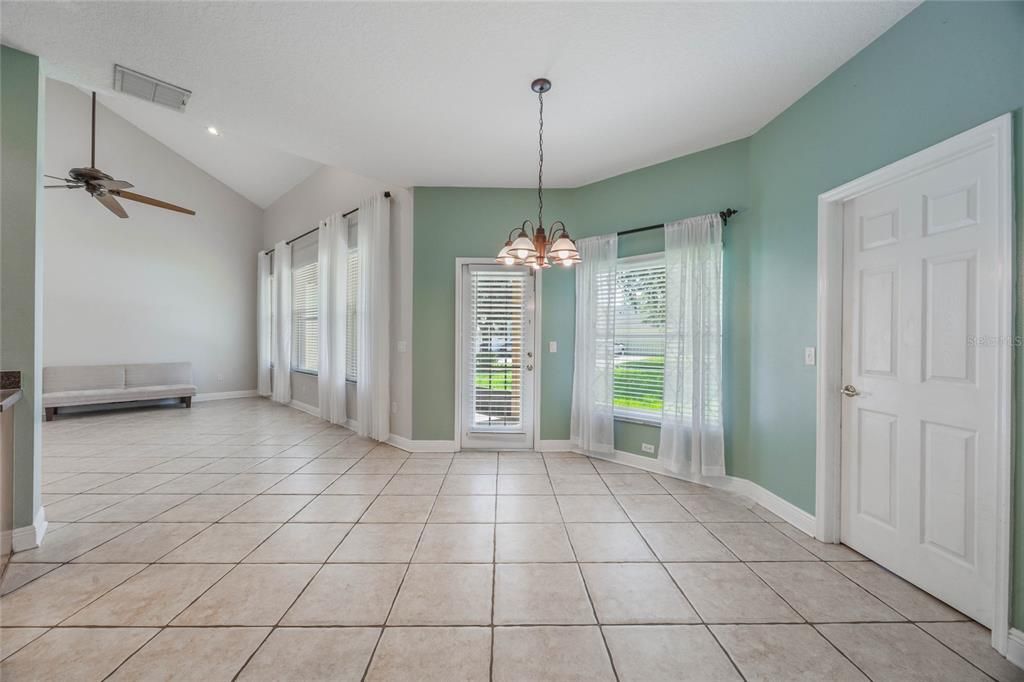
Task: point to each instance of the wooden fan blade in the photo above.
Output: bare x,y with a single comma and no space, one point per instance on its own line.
113,184
132,196
111,203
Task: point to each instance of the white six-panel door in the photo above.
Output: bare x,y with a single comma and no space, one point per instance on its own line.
920,271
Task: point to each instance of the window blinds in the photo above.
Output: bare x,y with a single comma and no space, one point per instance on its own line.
306,317
496,339
640,337
352,313
305,305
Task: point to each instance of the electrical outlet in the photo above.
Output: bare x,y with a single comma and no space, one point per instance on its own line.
402,346
647,447
552,346
809,355
394,408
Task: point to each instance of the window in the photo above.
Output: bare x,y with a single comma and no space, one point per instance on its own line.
498,321
305,308
351,324
273,315
639,299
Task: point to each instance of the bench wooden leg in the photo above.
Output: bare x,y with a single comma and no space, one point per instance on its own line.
187,401
51,413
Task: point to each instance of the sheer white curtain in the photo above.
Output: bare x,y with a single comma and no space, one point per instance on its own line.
593,381
332,255
282,392
263,336
692,440
373,390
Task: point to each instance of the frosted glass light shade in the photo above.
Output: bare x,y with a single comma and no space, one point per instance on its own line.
505,256
522,248
562,250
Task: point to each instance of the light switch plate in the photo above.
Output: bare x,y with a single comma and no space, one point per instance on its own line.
401,346
552,346
809,355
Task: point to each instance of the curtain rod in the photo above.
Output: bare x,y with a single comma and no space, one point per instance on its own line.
724,215
387,195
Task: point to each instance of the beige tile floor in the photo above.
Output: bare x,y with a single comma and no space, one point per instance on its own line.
241,539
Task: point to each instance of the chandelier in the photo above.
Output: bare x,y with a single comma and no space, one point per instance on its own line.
529,244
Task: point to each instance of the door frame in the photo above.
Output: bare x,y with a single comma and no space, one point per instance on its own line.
828,451
459,262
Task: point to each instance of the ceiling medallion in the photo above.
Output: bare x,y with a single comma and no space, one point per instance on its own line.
529,244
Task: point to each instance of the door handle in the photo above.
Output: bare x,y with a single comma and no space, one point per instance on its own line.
850,391
529,368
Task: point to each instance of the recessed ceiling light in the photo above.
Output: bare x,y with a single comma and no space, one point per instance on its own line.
212,130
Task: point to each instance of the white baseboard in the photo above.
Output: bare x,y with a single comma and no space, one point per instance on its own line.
351,424
555,446
1015,647
787,511
225,395
30,537
410,445
303,407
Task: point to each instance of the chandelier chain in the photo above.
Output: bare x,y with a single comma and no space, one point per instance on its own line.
540,164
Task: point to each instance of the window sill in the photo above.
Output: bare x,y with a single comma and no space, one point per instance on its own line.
638,419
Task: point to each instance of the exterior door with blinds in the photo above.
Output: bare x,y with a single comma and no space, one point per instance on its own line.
497,357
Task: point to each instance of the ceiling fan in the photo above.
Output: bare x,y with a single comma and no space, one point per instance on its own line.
104,188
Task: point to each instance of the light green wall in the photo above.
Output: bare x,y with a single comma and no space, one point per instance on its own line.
700,183
465,223
21,151
946,67
455,222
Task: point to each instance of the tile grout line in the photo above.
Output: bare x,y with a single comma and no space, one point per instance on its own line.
579,572
210,587
193,601
406,460
661,564
401,583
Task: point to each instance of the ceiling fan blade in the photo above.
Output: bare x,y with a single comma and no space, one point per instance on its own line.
54,177
132,196
62,186
113,184
111,203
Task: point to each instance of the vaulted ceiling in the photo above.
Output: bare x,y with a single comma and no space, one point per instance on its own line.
438,93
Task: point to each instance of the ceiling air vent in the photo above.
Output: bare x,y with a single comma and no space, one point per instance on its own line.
150,89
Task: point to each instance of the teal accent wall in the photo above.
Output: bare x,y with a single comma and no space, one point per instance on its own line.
21,217
945,68
455,223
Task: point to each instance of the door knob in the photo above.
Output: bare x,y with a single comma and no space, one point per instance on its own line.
849,390
529,368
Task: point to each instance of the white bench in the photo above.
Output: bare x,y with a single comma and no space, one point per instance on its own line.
102,384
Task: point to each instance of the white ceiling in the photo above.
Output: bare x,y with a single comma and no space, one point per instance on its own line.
256,170
438,93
